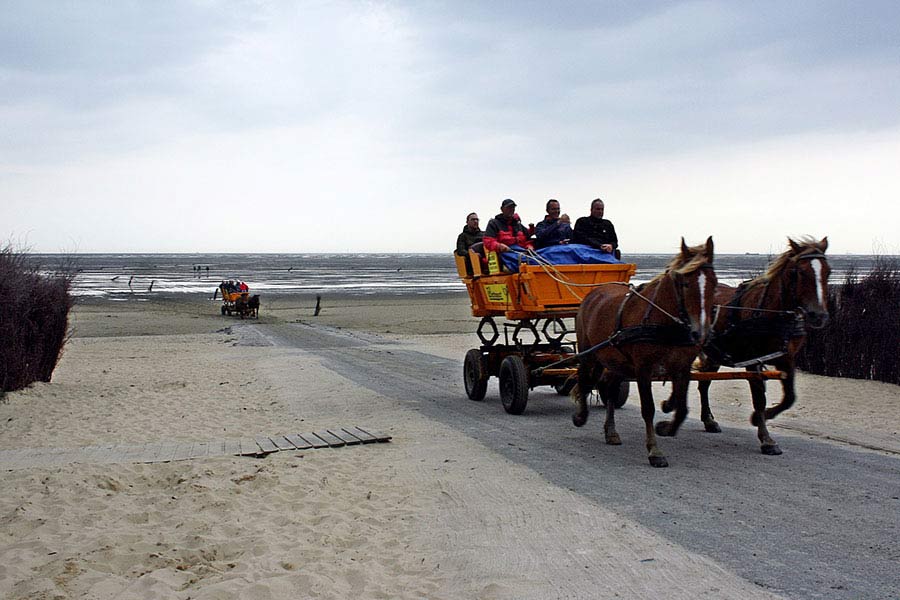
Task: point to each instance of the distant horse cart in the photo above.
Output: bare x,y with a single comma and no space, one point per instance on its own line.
623,333
238,302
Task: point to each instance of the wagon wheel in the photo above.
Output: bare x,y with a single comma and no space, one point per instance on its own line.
619,394
564,388
513,384
475,375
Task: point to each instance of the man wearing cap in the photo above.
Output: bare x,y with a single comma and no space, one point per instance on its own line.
595,231
554,229
471,235
505,230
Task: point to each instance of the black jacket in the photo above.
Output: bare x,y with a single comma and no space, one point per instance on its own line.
466,239
595,232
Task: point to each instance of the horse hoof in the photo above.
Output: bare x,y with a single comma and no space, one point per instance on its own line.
613,439
712,427
666,407
658,461
664,428
579,420
770,449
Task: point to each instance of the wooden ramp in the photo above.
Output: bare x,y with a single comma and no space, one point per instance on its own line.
257,446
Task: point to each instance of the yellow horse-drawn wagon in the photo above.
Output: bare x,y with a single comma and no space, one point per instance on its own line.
237,301
538,302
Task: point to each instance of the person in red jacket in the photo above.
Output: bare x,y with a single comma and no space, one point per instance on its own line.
506,230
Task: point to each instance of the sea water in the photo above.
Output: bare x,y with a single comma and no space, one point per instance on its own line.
120,276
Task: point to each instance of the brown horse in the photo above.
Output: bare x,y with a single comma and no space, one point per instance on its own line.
652,332
764,321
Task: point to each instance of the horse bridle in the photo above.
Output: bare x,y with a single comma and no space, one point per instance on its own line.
662,333
794,281
680,285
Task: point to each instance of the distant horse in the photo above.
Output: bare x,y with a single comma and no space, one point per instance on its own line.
647,333
764,321
253,306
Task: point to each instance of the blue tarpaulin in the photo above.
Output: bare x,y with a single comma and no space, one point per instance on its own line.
566,254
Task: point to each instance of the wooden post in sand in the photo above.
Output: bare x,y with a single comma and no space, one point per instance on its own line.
318,306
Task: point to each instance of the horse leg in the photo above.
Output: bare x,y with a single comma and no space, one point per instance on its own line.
706,416
654,454
582,389
678,401
758,391
609,426
787,385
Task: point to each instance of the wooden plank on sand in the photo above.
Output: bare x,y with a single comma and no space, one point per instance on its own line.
233,447
298,442
379,437
216,448
344,436
166,452
266,445
249,447
200,449
183,451
281,443
314,440
333,440
365,437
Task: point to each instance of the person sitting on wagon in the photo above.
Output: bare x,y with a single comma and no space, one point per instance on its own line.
506,230
471,235
595,231
555,229
243,287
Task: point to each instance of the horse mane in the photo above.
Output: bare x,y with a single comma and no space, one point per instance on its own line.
805,245
683,265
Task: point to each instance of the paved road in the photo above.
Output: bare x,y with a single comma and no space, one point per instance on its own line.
820,521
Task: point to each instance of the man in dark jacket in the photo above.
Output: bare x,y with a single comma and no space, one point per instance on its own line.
471,234
554,229
595,231
506,230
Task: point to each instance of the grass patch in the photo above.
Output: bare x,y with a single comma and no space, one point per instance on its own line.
862,337
34,320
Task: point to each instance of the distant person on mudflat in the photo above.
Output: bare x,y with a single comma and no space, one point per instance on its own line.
506,230
471,235
595,231
555,229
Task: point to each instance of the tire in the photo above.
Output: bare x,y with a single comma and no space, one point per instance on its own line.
619,396
513,385
565,388
475,375
223,310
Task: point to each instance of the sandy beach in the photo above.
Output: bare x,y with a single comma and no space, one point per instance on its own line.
431,514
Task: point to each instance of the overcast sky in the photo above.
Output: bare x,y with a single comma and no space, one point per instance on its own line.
376,126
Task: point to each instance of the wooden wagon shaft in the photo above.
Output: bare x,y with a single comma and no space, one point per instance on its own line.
695,376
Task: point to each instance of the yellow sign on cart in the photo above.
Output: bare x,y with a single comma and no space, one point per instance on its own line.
493,263
497,293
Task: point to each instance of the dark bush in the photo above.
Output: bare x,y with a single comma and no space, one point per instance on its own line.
34,320
862,338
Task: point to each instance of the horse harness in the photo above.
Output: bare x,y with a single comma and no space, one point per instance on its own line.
675,334
784,324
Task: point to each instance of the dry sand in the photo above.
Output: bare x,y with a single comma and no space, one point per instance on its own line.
433,514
